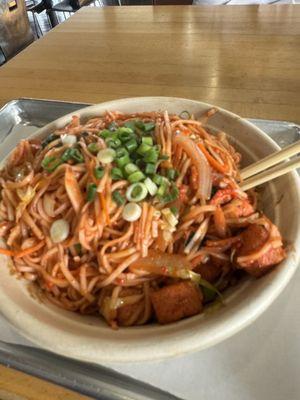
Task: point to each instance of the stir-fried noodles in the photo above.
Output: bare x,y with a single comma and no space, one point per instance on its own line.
137,217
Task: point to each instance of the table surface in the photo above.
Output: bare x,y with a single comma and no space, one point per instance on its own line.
245,59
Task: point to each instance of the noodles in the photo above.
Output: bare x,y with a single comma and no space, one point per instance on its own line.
64,218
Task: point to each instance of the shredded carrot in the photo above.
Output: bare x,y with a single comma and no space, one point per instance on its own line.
214,163
29,250
104,206
6,252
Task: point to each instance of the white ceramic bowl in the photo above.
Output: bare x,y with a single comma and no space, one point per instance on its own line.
90,339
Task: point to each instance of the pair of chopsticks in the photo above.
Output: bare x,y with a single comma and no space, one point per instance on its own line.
261,171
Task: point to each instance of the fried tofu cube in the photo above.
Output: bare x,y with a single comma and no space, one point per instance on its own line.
174,302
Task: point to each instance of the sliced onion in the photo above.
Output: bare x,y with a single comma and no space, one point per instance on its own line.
68,140
131,212
48,205
106,156
199,161
163,263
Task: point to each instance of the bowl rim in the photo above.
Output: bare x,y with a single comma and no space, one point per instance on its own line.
237,321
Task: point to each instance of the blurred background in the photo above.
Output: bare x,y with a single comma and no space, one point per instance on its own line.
23,21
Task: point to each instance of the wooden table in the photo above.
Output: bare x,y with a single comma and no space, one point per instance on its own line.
246,59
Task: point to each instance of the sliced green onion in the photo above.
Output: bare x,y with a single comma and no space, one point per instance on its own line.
113,126
72,154
50,163
130,124
143,149
151,186
174,211
77,156
149,126
147,140
158,179
150,169
151,156
113,143
131,212
171,196
116,174
105,134
172,174
124,133
162,190
130,168
121,151
118,198
98,172
169,217
106,156
91,192
136,177
67,155
93,148
139,124
136,192
131,145
122,161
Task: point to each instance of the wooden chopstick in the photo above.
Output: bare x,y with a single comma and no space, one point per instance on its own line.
271,160
270,174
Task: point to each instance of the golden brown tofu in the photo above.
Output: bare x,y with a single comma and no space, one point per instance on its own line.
125,313
252,240
176,301
209,271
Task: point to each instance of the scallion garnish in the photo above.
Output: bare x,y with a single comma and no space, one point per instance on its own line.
136,177
136,192
131,145
130,168
113,143
151,186
91,192
50,163
151,156
122,161
105,134
106,156
93,148
172,174
147,140
118,198
174,211
143,149
72,154
116,174
149,126
158,179
98,172
150,169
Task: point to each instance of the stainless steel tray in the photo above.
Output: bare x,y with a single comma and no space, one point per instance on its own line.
93,380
